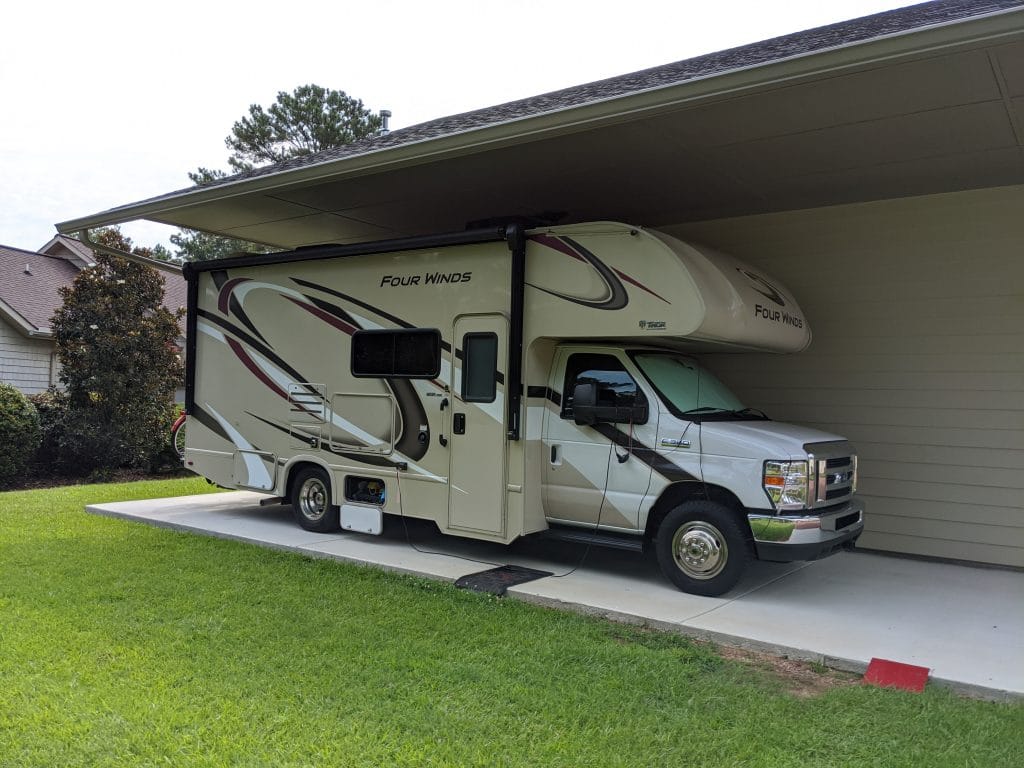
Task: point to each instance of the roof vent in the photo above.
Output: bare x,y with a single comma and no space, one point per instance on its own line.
27,270
384,115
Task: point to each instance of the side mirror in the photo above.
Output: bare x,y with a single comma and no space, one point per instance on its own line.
584,404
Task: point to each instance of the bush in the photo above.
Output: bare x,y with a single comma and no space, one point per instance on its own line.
166,459
19,433
78,442
52,406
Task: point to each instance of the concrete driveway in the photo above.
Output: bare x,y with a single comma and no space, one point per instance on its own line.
966,624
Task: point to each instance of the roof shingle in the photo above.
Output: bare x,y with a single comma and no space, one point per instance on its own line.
29,283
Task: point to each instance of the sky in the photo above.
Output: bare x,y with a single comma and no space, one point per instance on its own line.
106,102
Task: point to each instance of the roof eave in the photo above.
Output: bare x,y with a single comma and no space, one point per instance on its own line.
15,318
940,37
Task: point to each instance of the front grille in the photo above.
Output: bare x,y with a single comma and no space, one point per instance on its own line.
835,472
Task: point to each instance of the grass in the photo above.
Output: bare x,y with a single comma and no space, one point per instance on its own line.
126,645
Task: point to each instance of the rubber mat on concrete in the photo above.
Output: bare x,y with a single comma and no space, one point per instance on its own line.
498,580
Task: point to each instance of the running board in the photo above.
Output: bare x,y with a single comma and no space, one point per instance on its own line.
580,536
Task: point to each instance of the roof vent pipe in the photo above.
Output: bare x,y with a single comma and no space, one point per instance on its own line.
27,270
384,115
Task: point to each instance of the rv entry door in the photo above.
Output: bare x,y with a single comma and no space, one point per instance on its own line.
476,499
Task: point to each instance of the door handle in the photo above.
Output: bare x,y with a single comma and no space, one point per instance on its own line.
556,455
459,424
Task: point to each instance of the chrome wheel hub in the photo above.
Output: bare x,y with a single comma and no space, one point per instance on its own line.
313,499
699,550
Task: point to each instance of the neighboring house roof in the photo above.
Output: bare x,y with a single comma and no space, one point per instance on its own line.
29,283
70,248
28,287
175,293
786,47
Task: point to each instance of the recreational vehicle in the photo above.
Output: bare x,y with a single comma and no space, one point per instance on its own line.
505,382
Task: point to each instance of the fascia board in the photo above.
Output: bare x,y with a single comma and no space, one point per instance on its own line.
996,27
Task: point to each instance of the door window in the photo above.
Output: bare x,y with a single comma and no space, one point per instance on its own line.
615,387
479,367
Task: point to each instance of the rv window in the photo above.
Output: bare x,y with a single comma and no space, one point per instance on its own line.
479,367
407,353
615,387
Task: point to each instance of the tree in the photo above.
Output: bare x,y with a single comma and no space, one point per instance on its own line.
307,120
119,363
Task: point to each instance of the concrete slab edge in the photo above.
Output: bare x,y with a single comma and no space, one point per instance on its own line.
298,550
520,593
839,663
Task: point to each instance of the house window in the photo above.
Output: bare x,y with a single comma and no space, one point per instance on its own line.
413,353
479,367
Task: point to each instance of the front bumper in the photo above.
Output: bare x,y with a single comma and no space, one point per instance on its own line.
786,538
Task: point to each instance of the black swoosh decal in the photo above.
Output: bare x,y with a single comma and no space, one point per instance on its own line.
660,464
617,298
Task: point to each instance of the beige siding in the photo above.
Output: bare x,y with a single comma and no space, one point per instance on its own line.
917,311
25,363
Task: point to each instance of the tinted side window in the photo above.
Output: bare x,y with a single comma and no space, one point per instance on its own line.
615,386
408,353
479,367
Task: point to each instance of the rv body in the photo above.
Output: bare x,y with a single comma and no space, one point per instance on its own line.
503,383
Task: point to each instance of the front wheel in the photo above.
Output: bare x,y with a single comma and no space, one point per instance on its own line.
311,501
702,548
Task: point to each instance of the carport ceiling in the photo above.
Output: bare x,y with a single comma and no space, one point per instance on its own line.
932,110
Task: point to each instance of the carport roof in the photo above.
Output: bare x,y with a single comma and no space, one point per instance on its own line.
922,99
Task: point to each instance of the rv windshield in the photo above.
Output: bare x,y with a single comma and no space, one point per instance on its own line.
689,390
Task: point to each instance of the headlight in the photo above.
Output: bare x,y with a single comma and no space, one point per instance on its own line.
786,484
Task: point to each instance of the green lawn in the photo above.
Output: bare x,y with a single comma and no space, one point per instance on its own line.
126,645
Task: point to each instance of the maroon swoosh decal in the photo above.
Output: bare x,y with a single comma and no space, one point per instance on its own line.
556,244
328,318
225,293
249,363
639,285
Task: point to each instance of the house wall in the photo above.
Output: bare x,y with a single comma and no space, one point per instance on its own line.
27,364
917,310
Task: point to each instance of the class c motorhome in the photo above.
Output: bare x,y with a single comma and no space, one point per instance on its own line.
505,382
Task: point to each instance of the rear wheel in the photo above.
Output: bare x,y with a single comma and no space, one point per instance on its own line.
701,548
311,501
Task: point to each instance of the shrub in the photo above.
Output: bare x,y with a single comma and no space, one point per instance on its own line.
52,406
19,433
166,459
76,442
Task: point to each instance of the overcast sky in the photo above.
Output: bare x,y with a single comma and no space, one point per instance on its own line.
108,102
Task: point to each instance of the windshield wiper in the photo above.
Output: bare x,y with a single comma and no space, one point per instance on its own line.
752,413
705,409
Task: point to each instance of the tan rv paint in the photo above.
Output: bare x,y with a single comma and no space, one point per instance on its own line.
274,388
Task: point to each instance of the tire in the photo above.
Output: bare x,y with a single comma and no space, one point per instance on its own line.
311,500
178,437
702,548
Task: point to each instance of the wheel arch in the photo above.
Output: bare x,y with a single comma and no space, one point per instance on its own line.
679,493
296,465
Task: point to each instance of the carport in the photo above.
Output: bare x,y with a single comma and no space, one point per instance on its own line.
875,166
